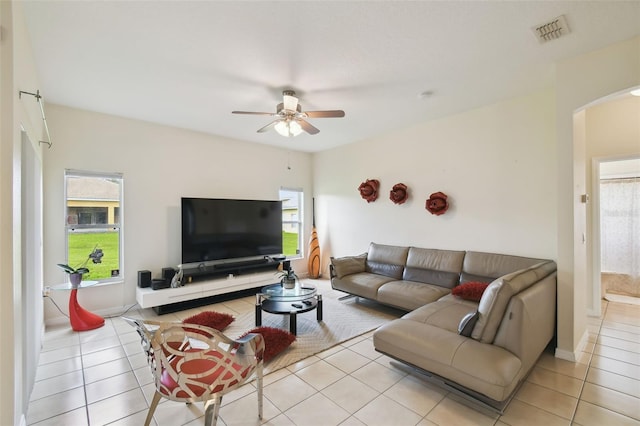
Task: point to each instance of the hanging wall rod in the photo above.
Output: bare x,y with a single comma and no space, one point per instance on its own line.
38,97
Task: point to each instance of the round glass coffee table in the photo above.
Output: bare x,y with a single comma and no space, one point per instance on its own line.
276,299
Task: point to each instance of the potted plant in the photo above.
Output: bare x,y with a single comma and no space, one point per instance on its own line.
288,278
75,274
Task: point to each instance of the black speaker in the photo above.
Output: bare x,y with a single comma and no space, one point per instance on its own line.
157,284
286,265
168,273
144,279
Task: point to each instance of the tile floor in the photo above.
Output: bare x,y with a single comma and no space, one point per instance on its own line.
101,377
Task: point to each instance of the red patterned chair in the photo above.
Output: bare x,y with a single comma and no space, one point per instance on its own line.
192,363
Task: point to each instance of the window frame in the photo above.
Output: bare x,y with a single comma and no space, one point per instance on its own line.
299,222
68,228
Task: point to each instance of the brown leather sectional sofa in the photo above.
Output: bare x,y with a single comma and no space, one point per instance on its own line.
482,350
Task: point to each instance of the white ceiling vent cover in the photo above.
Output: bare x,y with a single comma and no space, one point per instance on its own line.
552,30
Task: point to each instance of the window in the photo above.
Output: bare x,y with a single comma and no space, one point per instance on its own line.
292,202
93,203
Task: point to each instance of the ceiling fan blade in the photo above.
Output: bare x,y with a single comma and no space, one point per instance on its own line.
307,127
325,114
268,126
252,113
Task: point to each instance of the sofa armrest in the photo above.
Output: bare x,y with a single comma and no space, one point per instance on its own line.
529,322
497,295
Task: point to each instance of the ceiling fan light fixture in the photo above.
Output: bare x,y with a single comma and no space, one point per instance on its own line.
288,128
290,119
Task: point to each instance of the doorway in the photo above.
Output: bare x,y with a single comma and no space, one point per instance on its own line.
616,213
32,315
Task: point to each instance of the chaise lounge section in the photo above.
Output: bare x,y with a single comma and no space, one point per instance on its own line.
482,348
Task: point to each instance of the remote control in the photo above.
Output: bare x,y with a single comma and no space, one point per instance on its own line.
307,302
296,305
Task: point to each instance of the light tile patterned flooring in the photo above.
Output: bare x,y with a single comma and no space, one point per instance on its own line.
101,377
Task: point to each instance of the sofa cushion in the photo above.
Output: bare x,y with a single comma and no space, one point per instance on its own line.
409,295
386,260
487,369
348,265
471,290
431,266
363,284
497,295
445,313
486,267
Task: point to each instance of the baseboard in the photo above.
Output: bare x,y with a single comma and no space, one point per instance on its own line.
106,313
566,355
573,355
51,322
117,311
593,313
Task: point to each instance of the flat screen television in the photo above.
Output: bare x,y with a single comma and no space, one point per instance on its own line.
225,229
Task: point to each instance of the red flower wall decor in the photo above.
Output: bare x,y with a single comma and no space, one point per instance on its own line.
369,190
399,193
437,203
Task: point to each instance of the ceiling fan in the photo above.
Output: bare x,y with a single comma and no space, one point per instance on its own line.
291,120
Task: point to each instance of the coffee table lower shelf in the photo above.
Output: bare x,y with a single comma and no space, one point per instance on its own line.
287,308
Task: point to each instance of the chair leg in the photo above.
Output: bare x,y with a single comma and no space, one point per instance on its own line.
211,410
152,408
259,386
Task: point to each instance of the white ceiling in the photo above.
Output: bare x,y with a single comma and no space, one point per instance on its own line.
190,63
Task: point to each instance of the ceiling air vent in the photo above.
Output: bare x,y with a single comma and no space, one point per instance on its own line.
552,30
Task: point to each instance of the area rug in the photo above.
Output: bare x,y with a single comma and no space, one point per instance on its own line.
342,320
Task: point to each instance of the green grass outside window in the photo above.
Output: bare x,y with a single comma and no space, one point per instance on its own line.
289,243
82,243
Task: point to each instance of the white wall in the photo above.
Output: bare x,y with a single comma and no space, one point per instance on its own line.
496,164
580,81
160,165
18,359
613,128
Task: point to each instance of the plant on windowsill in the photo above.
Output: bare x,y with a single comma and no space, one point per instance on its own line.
75,274
288,278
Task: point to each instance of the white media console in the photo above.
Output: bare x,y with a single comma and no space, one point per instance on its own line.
149,298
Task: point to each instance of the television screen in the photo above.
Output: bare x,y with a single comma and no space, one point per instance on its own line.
220,229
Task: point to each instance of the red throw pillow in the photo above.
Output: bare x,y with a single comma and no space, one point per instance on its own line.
275,340
470,291
212,319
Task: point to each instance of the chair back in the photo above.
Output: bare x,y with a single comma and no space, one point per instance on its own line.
191,362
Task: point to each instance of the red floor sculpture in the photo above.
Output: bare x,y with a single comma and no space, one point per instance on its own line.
81,319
